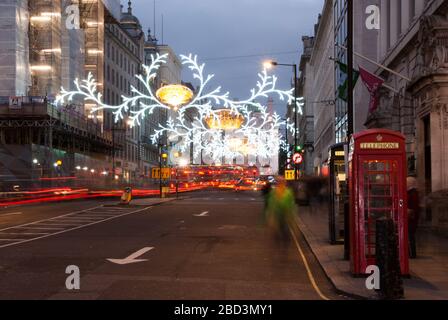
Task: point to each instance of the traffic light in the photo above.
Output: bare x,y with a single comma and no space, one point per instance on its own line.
163,152
300,149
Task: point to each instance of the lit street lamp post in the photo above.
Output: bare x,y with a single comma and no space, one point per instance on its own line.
174,96
269,64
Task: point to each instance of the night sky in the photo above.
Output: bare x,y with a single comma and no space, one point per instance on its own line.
220,32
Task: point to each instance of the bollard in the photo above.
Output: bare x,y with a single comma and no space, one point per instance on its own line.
391,283
126,197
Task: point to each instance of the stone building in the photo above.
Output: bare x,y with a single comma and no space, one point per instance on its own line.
124,46
41,49
413,41
306,118
323,76
364,43
321,93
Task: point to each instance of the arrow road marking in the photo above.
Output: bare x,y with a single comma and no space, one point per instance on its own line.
203,214
133,257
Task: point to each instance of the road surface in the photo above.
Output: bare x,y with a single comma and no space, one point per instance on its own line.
209,245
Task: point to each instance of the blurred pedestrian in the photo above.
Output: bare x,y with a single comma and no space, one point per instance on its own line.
413,215
265,191
281,208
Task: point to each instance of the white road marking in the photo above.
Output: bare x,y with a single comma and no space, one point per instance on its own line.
98,213
40,228
44,220
132,258
10,214
58,224
76,219
20,241
203,214
23,233
11,240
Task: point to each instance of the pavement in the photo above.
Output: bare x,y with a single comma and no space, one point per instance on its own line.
209,245
428,272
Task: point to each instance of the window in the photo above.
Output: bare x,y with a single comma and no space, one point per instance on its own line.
411,9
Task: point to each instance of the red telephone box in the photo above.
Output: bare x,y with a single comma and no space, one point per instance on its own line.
377,183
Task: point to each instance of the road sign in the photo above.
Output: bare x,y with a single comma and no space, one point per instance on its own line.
290,175
166,173
297,158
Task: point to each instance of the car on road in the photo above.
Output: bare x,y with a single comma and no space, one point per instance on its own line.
246,184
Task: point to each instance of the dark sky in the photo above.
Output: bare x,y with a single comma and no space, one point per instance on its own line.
217,29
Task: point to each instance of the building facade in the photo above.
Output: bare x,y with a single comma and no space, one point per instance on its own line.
42,50
124,54
364,43
306,117
321,93
413,42
14,48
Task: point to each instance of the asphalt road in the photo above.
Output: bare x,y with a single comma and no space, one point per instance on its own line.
210,245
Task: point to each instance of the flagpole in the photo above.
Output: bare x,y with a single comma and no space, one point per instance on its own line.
377,64
350,126
350,84
384,85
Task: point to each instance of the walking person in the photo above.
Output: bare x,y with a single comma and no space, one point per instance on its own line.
280,210
413,215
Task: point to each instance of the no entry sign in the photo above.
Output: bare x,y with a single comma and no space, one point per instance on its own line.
297,158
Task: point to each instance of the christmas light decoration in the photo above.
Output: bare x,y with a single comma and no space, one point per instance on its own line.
236,129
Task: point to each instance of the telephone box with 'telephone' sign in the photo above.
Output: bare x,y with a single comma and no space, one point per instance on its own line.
377,185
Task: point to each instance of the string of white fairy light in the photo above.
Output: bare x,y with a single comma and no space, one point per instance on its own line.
259,130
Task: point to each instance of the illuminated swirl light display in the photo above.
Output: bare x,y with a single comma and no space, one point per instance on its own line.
235,129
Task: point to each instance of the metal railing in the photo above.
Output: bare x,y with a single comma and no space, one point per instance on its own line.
38,107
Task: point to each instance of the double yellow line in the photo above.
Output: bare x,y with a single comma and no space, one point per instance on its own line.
307,267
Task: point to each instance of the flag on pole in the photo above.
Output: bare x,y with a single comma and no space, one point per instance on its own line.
373,84
343,84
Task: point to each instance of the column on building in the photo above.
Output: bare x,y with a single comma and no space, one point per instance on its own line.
395,21
406,14
384,28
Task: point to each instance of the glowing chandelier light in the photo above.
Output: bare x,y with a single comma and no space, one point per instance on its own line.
174,95
247,119
225,119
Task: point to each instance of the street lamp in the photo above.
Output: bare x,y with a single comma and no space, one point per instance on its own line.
270,64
